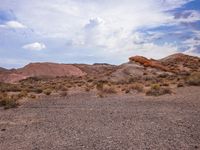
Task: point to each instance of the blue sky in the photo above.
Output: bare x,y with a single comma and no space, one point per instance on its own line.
90,31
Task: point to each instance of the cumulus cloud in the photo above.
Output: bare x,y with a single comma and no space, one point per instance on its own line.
106,28
35,46
13,25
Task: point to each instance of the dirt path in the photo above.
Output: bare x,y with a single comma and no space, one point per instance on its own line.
116,122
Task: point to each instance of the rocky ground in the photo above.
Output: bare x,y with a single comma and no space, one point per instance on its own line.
119,121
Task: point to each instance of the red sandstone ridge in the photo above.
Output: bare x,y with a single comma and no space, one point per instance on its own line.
148,63
41,70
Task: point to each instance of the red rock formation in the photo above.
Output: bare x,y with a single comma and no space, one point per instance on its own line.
149,63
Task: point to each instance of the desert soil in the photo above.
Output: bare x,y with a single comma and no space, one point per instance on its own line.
117,122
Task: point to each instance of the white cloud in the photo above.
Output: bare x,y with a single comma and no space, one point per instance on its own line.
35,46
188,16
13,25
64,18
109,26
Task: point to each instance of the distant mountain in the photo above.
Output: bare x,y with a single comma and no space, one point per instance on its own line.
3,69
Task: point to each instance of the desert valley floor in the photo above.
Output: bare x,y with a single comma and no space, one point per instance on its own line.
84,121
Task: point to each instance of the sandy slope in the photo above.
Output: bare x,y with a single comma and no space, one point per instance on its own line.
83,121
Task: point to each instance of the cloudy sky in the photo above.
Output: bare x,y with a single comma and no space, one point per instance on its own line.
89,31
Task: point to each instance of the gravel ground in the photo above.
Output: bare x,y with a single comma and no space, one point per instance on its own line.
118,122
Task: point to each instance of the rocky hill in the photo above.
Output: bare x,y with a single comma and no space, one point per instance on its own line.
137,67
2,69
181,62
41,70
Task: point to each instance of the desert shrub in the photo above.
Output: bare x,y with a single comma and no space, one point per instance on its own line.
37,90
132,79
79,84
23,94
109,89
87,89
8,101
194,79
32,96
47,92
63,93
180,84
157,90
155,86
163,75
63,88
99,86
30,80
137,86
90,80
165,84
127,91
100,95
104,89
6,87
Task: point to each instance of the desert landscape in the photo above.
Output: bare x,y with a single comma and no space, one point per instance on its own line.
99,75
141,104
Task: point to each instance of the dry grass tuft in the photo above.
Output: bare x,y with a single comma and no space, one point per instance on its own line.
157,90
8,101
137,86
47,92
63,93
109,89
194,79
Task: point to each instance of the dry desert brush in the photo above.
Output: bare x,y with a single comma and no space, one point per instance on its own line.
157,90
194,79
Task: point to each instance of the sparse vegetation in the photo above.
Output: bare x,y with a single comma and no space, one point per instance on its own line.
63,93
109,89
180,84
137,86
194,79
149,76
8,101
47,92
157,90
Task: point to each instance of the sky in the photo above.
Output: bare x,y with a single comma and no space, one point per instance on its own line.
96,31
